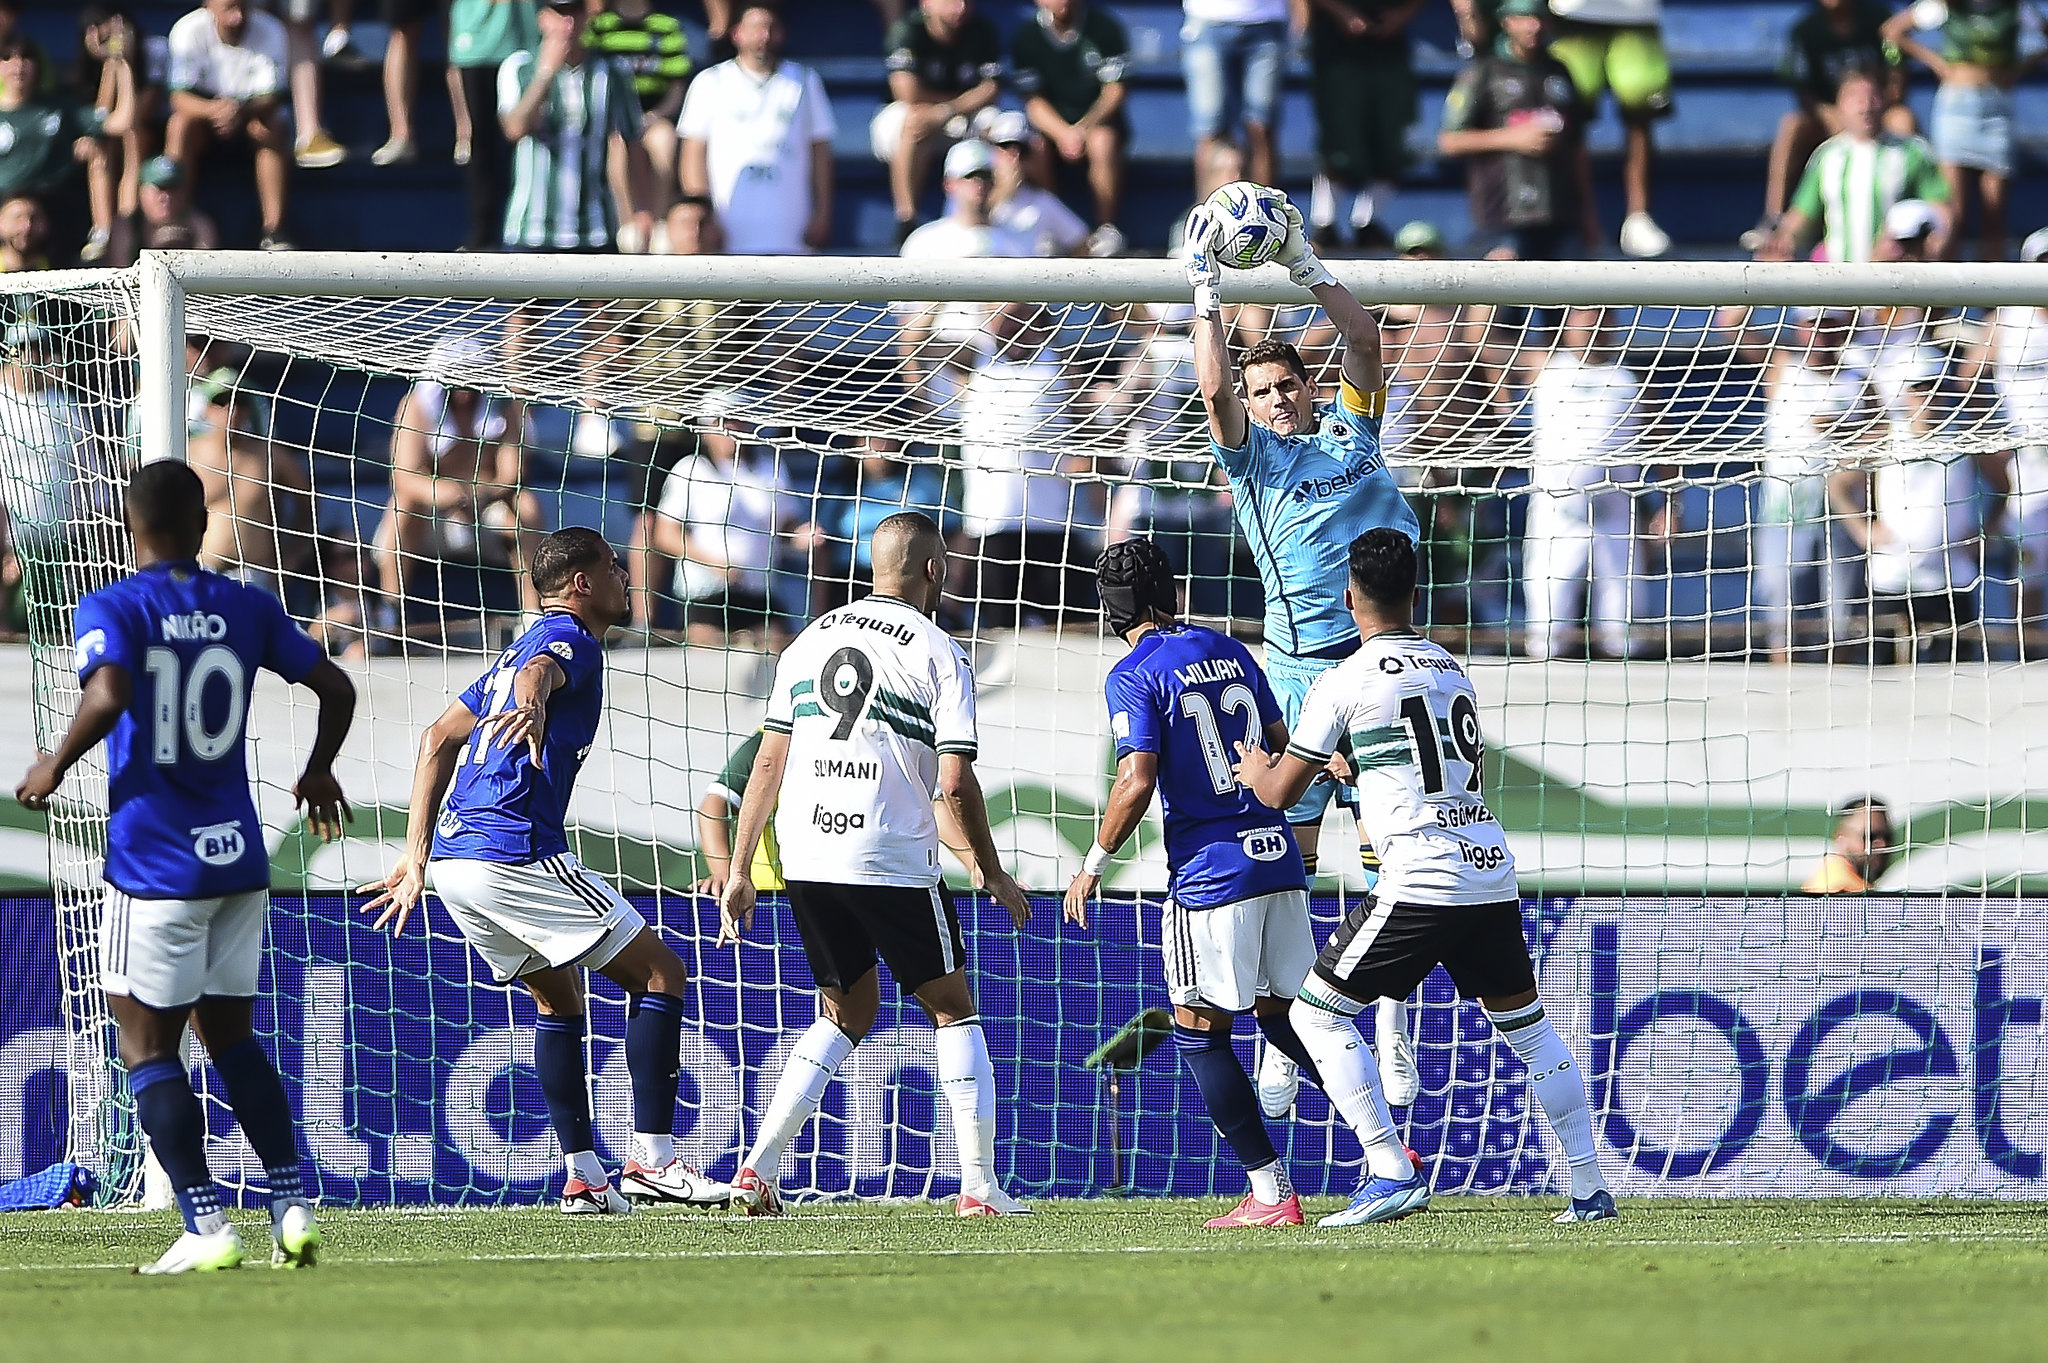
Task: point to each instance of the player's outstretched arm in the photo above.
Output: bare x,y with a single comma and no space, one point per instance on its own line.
398,893
525,720
1130,795
317,792
757,806
960,789
1277,779
107,692
1212,347
1352,319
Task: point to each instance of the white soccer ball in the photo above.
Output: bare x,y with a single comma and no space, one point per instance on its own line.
1253,219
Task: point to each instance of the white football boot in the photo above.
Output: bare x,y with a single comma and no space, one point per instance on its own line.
676,1183
989,1201
296,1241
580,1199
196,1253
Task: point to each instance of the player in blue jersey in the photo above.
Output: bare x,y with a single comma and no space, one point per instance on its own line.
490,801
1234,932
166,658
1306,480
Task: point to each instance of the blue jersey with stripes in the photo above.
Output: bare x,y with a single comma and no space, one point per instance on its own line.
181,820
1300,501
1190,695
500,806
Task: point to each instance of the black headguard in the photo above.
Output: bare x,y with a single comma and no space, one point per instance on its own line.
1133,579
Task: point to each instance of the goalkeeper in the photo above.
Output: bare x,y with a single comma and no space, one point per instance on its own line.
1306,481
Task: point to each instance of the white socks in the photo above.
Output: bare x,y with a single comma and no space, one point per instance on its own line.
1559,1087
654,1151
1351,1078
584,1164
1270,1183
967,1077
817,1057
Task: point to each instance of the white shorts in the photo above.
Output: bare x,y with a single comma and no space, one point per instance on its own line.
551,912
170,953
1230,956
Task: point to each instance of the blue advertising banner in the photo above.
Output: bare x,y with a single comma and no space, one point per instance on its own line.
1731,1047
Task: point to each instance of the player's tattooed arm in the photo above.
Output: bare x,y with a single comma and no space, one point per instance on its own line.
1130,795
100,708
757,806
525,720
398,893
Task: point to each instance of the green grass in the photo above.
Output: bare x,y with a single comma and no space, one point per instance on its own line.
1474,1278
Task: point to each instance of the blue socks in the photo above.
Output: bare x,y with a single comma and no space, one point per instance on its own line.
265,1115
1227,1091
558,1059
1279,1030
654,1043
169,1111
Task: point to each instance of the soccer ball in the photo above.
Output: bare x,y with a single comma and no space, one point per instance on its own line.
1254,223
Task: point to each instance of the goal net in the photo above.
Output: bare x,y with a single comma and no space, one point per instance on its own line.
1727,550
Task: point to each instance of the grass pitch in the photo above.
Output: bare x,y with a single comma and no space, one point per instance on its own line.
1473,1278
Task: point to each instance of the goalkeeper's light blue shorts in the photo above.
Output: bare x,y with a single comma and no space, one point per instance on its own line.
1291,676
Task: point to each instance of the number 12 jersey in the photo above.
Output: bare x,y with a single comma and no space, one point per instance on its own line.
870,695
1413,720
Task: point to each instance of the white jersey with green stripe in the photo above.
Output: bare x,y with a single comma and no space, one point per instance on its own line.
870,695
1413,721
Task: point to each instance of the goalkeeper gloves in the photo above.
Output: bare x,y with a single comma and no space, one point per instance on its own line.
1198,258
1296,256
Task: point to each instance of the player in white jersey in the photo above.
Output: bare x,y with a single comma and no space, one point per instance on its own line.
1446,894
872,711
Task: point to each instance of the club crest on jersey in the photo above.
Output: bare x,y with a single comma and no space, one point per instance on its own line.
197,625
219,844
93,645
1265,844
562,649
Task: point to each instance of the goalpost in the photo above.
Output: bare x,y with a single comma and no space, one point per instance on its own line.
1809,503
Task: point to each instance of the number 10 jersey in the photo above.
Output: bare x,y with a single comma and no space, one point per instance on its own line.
870,695
1413,720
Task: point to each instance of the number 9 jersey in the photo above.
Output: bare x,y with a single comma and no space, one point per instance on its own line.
870,695
181,821
1413,721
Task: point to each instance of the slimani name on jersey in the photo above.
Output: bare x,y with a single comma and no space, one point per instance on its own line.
181,820
870,695
1190,694
1301,500
500,806
1413,720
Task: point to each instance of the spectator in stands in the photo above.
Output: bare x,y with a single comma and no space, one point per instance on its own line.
1816,402
10,28
482,35
460,523
654,48
722,517
938,337
1854,178
168,222
2020,362
1618,45
1068,62
945,65
757,142
1027,529
23,228
1831,39
1586,411
113,79
227,79
1233,54
719,811
1362,64
1517,117
407,20
1028,209
884,483
259,497
314,147
46,464
1860,851
560,106
1978,64
46,141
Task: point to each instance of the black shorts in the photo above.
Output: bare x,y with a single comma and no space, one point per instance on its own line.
1382,951
914,930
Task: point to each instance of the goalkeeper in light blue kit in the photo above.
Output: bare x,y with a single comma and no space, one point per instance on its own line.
1306,481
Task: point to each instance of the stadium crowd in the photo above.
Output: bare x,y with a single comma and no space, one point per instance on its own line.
616,125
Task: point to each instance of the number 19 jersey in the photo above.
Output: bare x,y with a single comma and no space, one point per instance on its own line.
870,695
181,822
1413,720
